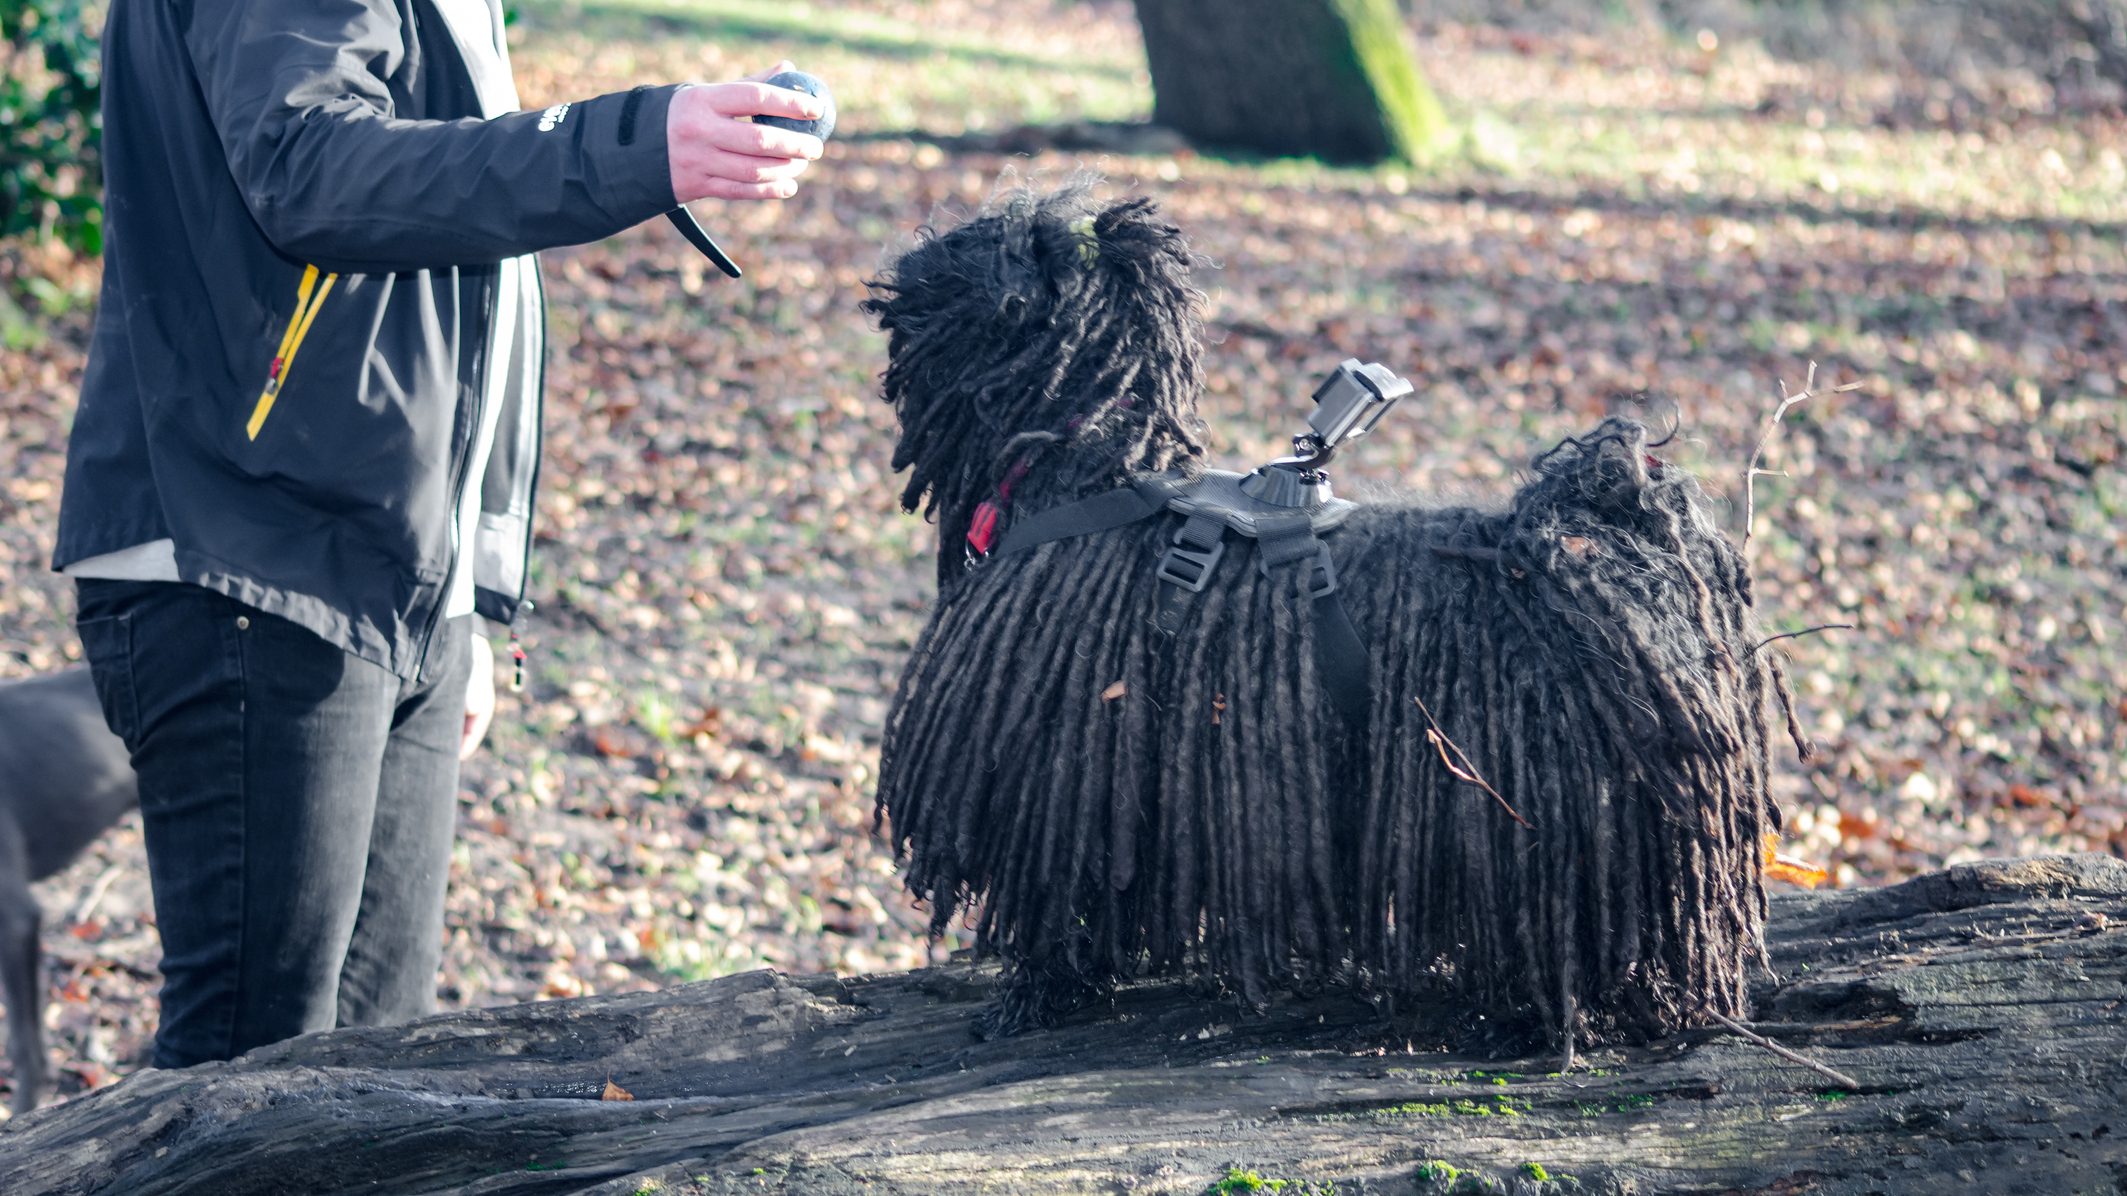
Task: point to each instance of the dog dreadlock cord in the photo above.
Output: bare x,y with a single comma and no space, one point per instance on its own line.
1591,649
1111,801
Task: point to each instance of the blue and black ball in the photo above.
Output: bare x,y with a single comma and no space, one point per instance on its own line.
810,85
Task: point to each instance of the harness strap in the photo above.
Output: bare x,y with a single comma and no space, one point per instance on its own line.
1288,541
1283,540
1186,567
1340,655
1102,512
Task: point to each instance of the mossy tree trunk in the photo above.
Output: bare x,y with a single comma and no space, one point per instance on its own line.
1978,1012
1329,78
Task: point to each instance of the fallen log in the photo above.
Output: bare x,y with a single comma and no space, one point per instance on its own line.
1982,1011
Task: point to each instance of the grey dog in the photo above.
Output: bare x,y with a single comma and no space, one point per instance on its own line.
64,779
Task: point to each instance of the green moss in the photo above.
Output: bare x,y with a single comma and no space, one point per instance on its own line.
1416,127
1239,1181
1498,1106
1442,1178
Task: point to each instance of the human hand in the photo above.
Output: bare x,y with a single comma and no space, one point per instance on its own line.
716,155
479,697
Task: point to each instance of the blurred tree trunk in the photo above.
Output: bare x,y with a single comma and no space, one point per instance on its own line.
1329,78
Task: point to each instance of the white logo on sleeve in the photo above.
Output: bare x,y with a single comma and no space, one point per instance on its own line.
552,117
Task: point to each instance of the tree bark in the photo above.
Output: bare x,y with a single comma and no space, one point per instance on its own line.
1329,78
1980,1009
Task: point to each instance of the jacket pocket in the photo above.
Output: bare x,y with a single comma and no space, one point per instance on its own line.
309,298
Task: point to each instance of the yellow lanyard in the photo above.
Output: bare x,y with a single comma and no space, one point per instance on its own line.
306,310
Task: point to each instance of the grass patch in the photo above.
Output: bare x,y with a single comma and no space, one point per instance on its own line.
889,72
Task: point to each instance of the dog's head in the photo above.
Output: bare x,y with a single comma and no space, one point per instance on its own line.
1049,328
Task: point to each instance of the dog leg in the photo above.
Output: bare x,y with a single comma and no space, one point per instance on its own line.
1035,995
23,986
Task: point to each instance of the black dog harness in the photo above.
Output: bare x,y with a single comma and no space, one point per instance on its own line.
1212,505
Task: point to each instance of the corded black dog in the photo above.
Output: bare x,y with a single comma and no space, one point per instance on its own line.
1167,722
64,779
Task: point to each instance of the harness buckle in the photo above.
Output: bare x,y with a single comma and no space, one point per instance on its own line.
1190,568
1322,577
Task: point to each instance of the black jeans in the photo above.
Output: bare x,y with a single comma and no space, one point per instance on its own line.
299,806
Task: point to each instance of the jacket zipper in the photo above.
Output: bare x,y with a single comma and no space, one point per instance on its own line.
531,489
307,305
455,491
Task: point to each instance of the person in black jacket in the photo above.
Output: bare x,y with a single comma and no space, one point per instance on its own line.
305,452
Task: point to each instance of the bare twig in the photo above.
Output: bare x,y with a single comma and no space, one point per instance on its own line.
1788,635
94,897
1837,1077
1751,472
1460,767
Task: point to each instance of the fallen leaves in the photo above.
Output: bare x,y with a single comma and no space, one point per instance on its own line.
2027,797
1789,869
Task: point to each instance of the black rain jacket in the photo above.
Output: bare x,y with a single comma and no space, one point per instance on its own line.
303,220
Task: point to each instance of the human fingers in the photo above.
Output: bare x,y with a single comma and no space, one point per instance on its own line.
712,154
728,189
750,98
702,173
743,168
479,698
702,116
475,731
733,176
759,141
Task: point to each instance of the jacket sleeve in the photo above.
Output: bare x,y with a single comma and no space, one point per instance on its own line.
296,90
